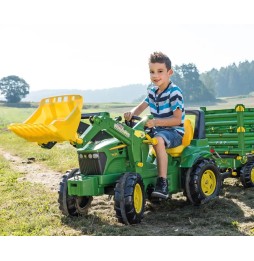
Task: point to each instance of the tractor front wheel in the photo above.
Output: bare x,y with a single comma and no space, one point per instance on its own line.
72,205
203,182
129,199
247,174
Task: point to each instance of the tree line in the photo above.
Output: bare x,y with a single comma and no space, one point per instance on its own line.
232,80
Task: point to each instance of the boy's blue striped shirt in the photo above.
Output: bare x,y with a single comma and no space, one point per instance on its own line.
164,104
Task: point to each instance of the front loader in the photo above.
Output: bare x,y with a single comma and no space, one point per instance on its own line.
116,158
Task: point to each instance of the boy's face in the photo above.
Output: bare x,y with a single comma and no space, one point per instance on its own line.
159,74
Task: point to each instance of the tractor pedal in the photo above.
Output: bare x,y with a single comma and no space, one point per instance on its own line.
156,194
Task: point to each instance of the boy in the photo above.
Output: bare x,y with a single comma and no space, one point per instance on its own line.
166,104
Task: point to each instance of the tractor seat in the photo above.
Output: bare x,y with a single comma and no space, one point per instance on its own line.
187,137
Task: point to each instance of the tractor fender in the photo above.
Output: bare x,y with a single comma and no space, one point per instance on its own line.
190,157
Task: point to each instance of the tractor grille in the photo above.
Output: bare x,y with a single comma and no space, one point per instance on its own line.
92,163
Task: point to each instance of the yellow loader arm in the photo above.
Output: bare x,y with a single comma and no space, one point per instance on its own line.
55,120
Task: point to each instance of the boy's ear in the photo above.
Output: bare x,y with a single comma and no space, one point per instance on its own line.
170,72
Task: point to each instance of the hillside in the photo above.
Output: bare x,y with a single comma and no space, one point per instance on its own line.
126,94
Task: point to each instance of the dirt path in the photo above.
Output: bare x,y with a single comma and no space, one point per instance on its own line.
34,172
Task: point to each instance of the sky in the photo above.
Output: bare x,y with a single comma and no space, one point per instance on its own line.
103,44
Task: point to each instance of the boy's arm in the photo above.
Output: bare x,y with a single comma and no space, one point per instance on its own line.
175,120
135,111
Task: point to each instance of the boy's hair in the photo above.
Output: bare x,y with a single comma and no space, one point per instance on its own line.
159,57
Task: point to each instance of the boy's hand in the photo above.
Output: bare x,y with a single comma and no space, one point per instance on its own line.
128,115
151,123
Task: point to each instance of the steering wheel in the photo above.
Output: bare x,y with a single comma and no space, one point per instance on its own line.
131,122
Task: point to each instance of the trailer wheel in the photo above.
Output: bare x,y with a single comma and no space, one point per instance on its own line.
247,174
129,198
203,182
72,205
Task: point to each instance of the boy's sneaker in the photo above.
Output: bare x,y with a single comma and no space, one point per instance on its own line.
161,189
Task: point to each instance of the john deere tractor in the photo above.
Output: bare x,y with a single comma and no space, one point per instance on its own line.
116,158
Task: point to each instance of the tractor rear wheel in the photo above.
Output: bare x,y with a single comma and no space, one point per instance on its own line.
247,174
203,182
72,205
129,199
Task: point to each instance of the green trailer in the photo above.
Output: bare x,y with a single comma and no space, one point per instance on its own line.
230,134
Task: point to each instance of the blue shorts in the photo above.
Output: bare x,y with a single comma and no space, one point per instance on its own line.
171,137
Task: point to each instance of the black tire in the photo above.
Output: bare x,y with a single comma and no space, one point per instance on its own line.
247,174
72,205
129,199
203,182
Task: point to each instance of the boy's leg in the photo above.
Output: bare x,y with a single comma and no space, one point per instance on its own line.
162,157
172,139
161,188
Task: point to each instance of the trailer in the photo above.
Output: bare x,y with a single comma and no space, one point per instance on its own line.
230,134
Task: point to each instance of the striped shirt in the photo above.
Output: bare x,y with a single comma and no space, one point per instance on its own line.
164,104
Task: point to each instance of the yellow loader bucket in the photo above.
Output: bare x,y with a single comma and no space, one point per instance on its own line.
56,120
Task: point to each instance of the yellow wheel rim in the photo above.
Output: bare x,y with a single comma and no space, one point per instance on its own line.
252,175
138,198
208,182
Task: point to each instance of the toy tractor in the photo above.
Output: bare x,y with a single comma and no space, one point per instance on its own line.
116,158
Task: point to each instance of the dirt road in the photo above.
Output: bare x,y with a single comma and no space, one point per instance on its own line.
34,172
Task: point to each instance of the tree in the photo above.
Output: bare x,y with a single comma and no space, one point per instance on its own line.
14,88
208,81
188,79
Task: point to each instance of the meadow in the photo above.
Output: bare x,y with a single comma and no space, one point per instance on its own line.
31,208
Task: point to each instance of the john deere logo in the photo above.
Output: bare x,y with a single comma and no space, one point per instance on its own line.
120,128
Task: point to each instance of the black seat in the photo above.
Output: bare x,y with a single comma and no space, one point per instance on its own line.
198,116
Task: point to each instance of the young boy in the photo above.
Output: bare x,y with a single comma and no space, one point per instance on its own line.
166,104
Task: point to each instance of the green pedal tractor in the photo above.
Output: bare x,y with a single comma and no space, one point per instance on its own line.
116,158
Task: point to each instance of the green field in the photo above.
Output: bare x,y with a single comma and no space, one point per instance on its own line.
31,208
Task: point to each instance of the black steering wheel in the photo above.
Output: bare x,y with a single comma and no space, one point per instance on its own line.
131,123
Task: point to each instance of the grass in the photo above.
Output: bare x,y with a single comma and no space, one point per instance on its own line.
61,157
9,115
26,208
